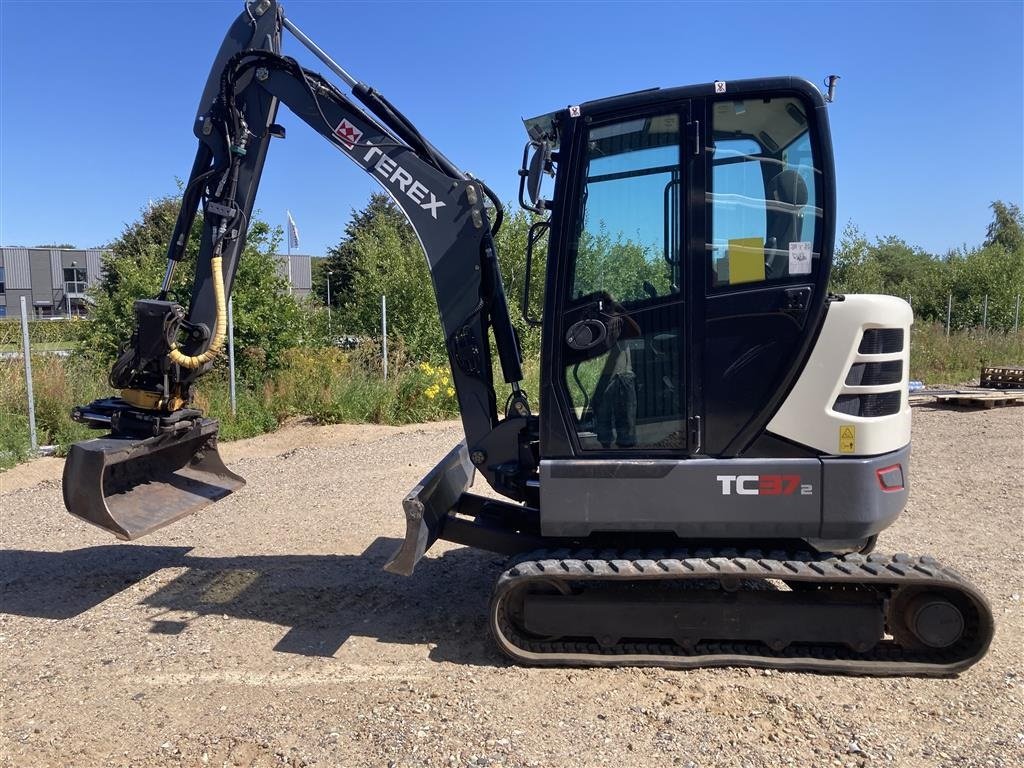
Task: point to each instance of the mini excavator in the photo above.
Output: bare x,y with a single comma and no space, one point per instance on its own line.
719,440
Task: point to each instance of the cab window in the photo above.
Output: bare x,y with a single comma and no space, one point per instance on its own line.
632,183
763,193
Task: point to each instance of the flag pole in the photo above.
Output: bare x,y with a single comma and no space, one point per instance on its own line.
288,239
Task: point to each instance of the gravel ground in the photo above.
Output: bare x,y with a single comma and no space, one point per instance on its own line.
264,632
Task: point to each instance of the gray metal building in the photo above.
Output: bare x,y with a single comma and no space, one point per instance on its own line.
300,275
55,281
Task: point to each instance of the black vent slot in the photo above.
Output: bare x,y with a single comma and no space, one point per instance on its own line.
872,374
881,341
878,404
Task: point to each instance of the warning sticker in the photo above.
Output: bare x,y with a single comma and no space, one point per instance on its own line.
847,438
800,258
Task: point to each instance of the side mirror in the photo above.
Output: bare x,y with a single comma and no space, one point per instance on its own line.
535,174
532,173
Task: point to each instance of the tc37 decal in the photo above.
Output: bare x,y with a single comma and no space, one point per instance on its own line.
764,485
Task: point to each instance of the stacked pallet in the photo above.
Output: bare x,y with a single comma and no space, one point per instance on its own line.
1002,377
981,399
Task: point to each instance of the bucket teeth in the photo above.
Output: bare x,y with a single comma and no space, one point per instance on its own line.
131,487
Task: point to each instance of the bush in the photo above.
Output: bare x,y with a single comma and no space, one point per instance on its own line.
55,333
267,319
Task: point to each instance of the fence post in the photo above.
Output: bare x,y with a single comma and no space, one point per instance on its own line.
984,314
34,442
949,312
231,353
384,332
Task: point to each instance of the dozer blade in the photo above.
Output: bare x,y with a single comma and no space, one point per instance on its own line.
131,487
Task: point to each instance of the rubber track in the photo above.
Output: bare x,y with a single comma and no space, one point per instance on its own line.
884,572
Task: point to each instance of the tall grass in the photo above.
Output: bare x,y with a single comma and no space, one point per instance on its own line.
57,384
326,385
329,386
937,359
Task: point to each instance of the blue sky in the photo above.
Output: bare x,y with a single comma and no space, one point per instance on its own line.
97,98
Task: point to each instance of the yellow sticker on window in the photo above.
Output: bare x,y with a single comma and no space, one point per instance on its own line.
847,438
746,260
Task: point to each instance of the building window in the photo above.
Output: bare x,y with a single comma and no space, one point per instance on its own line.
74,280
3,281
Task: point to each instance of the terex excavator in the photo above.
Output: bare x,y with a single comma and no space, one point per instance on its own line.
719,440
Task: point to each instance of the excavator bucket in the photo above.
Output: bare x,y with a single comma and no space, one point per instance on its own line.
131,487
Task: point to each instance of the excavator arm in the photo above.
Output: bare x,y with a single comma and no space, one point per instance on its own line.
152,421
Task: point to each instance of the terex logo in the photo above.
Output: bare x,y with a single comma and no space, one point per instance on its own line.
764,485
396,175
348,134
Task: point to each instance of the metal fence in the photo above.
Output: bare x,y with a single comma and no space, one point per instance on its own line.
970,313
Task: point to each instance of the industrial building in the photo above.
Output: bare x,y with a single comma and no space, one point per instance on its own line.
55,281
299,275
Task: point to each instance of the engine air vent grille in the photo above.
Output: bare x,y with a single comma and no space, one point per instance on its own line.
875,404
881,341
873,374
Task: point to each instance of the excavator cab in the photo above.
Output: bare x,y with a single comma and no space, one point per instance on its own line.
688,263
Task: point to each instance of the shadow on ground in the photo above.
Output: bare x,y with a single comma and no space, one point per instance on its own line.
322,599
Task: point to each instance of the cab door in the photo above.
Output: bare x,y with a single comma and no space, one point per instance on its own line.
621,331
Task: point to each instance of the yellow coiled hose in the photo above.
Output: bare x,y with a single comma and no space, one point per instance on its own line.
220,329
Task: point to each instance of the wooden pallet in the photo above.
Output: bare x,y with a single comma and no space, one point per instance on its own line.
980,399
1002,377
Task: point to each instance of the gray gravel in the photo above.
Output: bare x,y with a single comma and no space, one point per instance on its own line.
263,632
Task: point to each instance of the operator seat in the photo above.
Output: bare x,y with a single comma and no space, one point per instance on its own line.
787,196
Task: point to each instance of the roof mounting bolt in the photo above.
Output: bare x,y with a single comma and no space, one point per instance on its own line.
471,194
207,126
259,8
262,74
478,457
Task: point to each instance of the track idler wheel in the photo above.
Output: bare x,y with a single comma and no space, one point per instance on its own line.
927,619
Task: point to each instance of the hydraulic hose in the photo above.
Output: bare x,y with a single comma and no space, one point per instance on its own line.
220,328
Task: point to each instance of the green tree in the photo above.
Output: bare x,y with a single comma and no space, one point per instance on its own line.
1007,228
384,258
342,258
267,319
381,255
511,244
890,266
